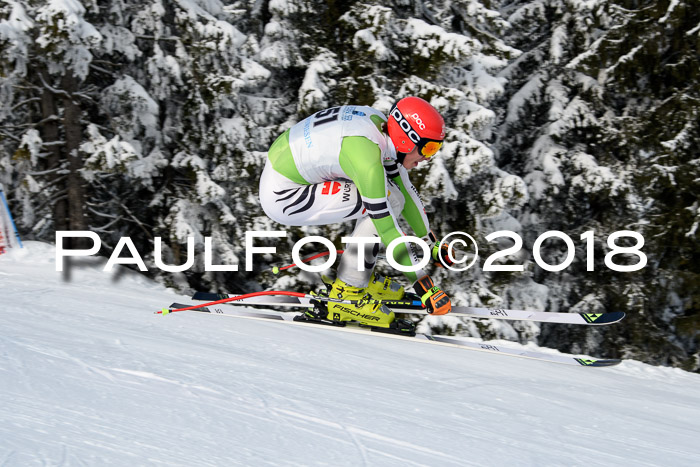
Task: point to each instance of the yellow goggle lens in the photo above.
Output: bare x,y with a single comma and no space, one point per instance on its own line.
431,148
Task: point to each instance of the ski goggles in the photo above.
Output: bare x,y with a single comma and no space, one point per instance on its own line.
428,147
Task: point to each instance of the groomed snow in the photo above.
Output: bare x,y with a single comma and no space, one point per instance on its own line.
90,376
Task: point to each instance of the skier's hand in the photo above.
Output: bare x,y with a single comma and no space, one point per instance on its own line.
441,255
435,299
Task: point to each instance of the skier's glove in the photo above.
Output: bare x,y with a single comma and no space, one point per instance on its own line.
440,255
434,299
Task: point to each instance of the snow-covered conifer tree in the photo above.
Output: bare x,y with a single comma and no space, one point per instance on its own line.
586,125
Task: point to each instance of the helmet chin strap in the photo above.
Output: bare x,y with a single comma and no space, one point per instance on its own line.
400,156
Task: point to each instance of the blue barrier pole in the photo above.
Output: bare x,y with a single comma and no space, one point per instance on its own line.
12,221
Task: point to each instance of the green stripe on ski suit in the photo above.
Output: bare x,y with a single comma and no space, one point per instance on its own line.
280,155
361,160
411,212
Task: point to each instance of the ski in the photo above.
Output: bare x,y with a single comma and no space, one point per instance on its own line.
413,305
288,318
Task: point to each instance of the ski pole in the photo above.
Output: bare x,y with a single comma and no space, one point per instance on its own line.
277,270
165,311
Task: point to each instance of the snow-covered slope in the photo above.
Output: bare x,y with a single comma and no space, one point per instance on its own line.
90,376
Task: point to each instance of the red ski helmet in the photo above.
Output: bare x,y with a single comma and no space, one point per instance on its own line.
414,122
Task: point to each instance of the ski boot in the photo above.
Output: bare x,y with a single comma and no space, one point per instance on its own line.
365,310
380,288
384,288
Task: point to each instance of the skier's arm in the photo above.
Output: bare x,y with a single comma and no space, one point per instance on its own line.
361,160
414,213
413,210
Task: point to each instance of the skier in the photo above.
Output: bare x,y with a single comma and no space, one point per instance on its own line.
350,163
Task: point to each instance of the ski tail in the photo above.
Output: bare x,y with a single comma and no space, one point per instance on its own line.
209,297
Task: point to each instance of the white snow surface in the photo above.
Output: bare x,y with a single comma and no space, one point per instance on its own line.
90,376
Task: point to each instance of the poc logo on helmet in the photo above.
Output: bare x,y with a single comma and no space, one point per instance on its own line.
418,121
405,126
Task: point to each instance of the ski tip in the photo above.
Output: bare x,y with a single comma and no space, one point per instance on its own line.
598,363
603,318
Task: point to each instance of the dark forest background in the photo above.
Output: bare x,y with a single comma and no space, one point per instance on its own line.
152,119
